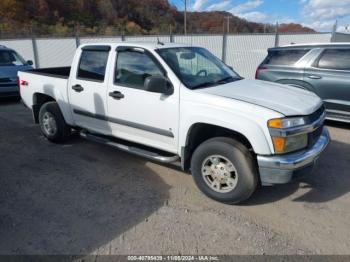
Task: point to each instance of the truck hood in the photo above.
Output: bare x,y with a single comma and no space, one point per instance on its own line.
288,100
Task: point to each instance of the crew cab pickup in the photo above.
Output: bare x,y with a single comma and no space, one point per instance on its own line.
178,103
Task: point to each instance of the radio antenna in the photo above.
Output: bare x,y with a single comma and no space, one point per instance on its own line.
159,42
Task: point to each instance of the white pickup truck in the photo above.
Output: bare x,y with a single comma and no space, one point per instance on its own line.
178,103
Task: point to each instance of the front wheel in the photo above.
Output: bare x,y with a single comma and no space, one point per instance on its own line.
52,123
224,170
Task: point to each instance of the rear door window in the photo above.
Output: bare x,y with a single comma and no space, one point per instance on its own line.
285,57
92,65
335,59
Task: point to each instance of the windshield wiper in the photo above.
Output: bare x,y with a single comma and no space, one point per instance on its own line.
218,82
227,80
205,84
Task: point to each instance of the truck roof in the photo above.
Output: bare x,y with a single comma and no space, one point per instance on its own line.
147,45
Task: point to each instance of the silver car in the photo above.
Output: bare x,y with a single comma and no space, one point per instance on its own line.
321,68
10,63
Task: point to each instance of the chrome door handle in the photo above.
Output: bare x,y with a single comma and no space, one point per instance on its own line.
77,88
116,95
314,77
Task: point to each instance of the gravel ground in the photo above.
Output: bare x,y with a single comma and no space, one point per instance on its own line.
86,198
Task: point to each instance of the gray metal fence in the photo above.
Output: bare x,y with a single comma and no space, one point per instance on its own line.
340,37
243,52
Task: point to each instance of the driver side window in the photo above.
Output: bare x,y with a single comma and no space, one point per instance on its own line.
133,68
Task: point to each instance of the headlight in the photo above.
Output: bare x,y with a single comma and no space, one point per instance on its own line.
284,145
287,144
286,122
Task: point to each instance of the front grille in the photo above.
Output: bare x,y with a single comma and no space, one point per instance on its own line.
9,94
317,114
5,80
315,135
8,84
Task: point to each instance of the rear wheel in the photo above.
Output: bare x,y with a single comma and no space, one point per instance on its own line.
52,123
224,170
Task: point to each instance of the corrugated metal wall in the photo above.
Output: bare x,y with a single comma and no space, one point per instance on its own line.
87,40
341,37
55,52
211,42
244,52
145,38
287,39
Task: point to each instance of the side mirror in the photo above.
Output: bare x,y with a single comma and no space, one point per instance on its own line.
30,62
159,84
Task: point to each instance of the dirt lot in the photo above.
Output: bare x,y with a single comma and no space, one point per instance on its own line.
82,198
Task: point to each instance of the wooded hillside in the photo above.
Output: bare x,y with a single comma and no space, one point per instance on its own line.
111,17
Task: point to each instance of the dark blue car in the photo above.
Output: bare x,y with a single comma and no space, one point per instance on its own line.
10,63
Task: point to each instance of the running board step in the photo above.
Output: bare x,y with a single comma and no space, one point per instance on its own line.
133,149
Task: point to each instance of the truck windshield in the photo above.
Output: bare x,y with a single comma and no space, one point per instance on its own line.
10,58
197,67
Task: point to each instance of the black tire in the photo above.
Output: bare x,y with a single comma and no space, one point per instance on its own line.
242,160
63,131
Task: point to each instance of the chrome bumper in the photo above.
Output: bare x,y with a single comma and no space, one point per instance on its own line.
280,169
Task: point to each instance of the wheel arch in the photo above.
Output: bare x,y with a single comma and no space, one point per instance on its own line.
39,99
200,132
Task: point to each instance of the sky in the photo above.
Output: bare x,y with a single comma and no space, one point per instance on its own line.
317,14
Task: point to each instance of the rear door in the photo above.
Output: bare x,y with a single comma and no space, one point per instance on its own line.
330,77
136,114
88,87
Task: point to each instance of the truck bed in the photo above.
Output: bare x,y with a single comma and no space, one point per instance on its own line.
60,72
51,82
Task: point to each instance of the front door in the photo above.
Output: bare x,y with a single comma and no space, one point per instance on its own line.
136,114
